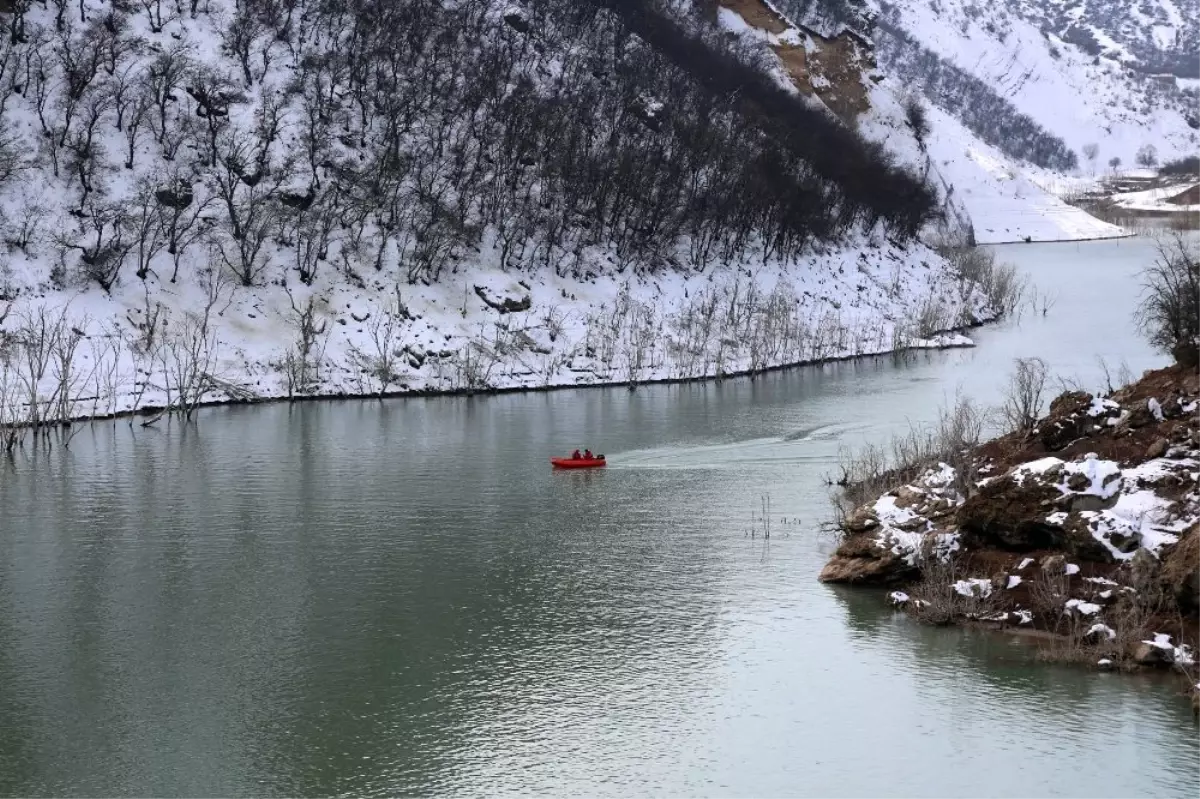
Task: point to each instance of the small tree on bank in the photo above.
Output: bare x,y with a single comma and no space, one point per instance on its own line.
1169,312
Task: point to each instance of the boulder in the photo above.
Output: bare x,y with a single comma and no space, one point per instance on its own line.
1148,654
506,304
1054,564
1139,416
1080,544
1180,574
1077,481
861,520
1005,515
907,496
1066,421
1157,449
861,561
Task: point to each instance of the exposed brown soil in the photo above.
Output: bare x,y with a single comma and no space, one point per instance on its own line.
758,14
833,71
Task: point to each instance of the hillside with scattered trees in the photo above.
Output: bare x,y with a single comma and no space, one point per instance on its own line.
208,199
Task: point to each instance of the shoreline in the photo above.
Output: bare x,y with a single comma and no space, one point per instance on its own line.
1126,234
159,411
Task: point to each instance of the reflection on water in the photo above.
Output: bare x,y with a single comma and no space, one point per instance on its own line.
402,597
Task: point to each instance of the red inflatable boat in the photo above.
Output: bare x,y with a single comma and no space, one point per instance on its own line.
578,463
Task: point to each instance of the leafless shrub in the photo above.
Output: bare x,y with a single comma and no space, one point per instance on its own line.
188,358
302,362
1123,377
1001,285
951,439
932,317
943,596
1041,302
1169,312
386,329
1025,394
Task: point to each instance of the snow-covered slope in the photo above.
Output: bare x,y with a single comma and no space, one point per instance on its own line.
1152,36
1080,98
1005,201
180,226
1002,195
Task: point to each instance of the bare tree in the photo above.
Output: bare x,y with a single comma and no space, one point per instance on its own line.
163,79
104,244
386,329
302,362
145,225
1169,312
1025,394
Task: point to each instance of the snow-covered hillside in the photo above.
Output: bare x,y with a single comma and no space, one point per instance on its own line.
1005,197
1151,36
1078,97
1021,99
214,201
1006,201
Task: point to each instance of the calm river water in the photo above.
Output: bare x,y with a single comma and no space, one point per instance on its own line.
402,598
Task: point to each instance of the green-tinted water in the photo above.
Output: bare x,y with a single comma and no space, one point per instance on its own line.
402,598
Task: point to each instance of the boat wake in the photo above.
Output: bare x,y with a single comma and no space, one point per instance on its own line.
774,452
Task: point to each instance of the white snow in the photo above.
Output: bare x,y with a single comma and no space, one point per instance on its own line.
1024,564
1023,616
1161,641
1100,581
898,597
1072,568
1156,199
1013,581
1037,467
1101,407
1181,655
846,301
1085,608
1155,408
1103,628
973,587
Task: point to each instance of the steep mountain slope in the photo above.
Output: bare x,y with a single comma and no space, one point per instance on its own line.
979,149
279,197
1070,94
1151,36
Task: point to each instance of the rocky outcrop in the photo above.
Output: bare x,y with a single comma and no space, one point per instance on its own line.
862,563
1089,527
1067,421
1011,515
1181,572
504,304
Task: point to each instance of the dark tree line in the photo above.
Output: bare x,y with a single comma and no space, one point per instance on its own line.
832,13
985,113
406,134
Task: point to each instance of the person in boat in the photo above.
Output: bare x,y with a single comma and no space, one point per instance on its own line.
587,454
575,455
